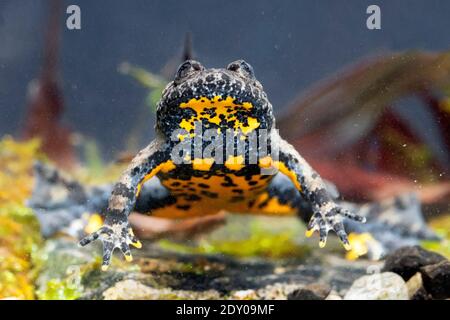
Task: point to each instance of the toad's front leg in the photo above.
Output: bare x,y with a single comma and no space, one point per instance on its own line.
327,214
116,231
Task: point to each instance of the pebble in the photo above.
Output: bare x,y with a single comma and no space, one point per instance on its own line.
380,286
333,296
134,290
276,291
407,261
315,291
436,279
244,295
416,291
130,290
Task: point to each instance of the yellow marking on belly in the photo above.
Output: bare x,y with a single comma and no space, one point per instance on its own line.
268,162
202,164
272,206
163,167
235,163
222,107
209,205
172,212
215,184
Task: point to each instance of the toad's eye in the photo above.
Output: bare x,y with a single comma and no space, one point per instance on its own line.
186,68
242,67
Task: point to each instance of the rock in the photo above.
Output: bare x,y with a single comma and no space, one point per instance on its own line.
174,276
135,290
416,291
422,294
244,295
407,261
333,296
276,291
436,279
381,286
130,290
71,272
315,291
414,284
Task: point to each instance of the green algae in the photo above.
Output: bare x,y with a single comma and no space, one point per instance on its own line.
68,272
442,227
60,290
256,237
20,236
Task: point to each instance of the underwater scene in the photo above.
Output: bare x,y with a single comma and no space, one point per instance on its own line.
196,150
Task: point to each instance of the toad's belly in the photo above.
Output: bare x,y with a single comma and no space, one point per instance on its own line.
204,192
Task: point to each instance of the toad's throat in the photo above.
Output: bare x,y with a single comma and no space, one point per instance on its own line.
219,113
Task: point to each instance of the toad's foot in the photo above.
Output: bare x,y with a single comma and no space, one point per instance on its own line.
114,235
330,217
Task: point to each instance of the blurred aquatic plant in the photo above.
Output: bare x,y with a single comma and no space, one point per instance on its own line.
59,290
19,229
153,82
95,170
45,102
441,225
19,240
417,157
444,104
62,269
109,173
68,272
16,161
93,159
156,83
350,126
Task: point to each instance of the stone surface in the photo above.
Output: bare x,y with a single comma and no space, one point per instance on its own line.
333,296
134,290
416,291
71,272
407,261
381,286
315,291
130,290
436,279
244,295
